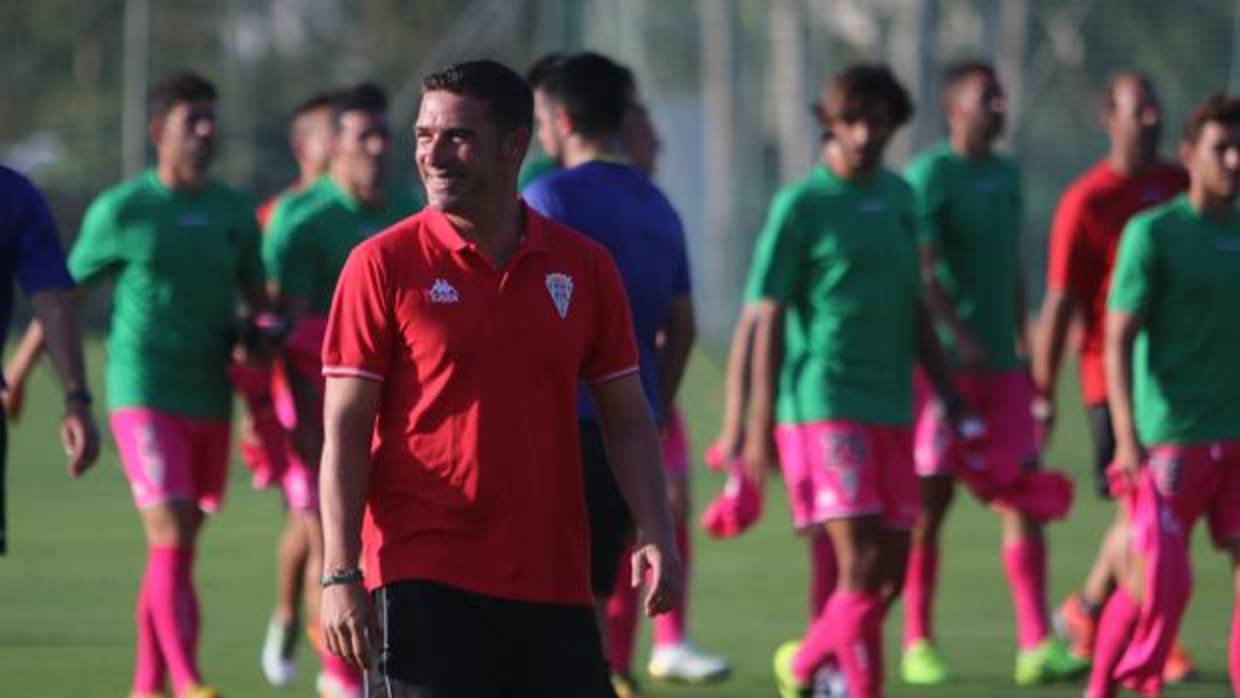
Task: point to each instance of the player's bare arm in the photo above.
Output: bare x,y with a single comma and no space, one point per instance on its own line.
933,361
767,318
636,461
736,387
1121,333
344,475
943,310
1051,338
679,333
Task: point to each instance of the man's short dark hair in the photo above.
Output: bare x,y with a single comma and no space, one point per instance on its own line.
594,90
864,85
366,96
543,67
185,86
960,71
315,102
1217,108
508,97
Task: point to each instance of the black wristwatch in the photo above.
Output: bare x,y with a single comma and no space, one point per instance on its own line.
80,396
347,575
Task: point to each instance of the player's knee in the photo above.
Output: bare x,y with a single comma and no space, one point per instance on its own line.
173,523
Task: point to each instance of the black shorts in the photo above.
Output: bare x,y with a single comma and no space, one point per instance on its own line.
437,641
611,524
1104,445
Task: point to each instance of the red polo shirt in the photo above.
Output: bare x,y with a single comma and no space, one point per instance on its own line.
1085,234
476,477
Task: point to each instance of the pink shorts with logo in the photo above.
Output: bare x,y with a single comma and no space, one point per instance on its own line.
1198,480
172,458
843,469
1002,401
676,447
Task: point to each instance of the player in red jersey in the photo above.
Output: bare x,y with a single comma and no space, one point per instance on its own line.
1091,215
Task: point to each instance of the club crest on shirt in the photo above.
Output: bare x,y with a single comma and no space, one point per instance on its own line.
193,219
443,292
560,286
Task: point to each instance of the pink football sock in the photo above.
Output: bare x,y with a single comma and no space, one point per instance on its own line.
669,628
1025,564
149,668
919,586
1119,618
622,618
823,573
173,608
1233,650
854,622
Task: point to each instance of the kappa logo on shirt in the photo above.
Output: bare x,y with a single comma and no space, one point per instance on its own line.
560,286
872,206
193,219
1227,244
443,292
987,185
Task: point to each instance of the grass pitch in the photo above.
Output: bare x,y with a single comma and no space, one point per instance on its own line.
76,553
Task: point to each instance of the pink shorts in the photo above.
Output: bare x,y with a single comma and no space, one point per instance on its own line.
170,458
1002,401
1200,480
676,447
841,469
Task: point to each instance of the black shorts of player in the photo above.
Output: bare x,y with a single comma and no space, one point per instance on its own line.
611,524
438,641
1104,445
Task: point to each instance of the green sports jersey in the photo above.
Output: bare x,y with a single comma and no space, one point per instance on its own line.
1181,273
312,233
841,258
533,169
177,259
970,211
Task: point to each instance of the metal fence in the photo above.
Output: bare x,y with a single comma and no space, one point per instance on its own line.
728,83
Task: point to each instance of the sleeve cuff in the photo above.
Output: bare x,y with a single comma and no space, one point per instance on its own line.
614,375
351,372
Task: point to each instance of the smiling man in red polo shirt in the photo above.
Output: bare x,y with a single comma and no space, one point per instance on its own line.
454,348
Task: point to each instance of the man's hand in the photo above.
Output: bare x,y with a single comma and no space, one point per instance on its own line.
760,456
1129,457
349,624
1042,407
80,437
659,564
13,397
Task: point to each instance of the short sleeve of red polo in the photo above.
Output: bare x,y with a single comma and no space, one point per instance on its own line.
359,329
612,351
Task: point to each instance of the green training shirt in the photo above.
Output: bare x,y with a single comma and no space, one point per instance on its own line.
970,211
841,258
177,259
1181,273
312,233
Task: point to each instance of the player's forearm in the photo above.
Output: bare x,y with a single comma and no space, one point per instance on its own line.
768,335
1121,332
1052,337
933,361
636,459
27,354
57,325
736,391
941,308
679,333
344,472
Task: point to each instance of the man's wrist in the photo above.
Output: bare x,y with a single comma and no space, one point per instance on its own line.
341,576
78,398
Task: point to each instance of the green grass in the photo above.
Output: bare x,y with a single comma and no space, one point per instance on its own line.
76,553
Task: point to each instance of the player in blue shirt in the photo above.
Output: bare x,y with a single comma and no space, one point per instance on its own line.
581,105
30,252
